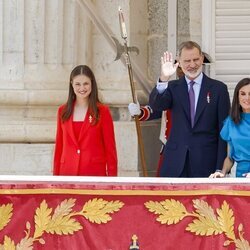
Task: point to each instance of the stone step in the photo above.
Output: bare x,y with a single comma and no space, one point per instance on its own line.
27,131
37,159
26,147
38,113
26,159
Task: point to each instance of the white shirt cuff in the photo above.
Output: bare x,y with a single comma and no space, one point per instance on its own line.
161,86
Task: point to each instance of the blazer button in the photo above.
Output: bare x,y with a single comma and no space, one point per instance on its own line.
78,151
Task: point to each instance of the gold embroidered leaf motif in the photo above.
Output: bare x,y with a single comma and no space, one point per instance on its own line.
227,243
112,206
204,209
203,223
64,208
171,211
25,244
97,210
204,226
8,244
5,214
175,212
242,244
64,225
42,219
240,227
41,241
155,207
212,225
226,220
61,222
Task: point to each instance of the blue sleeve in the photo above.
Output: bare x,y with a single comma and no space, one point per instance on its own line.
225,131
226,135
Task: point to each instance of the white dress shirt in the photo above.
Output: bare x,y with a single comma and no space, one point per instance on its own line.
161,86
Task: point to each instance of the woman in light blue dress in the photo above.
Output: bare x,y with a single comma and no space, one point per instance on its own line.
236,131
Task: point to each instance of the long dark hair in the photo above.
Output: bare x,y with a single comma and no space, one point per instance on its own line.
93,97
236,109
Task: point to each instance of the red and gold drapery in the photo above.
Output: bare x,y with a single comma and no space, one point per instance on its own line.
124,213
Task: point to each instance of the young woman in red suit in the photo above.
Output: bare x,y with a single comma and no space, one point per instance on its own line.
85,141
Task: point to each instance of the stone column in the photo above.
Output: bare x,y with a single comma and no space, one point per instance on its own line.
11,42
157,40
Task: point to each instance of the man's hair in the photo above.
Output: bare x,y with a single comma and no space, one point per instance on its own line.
188,45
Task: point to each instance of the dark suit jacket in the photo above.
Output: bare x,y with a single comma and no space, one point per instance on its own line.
93,154
205,148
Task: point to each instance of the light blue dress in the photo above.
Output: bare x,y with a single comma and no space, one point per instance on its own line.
238,138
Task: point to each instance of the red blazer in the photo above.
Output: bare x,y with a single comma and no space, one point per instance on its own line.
93,154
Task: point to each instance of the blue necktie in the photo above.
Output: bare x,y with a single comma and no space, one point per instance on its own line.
192,101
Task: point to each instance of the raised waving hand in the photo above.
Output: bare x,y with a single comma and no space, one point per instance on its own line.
168,67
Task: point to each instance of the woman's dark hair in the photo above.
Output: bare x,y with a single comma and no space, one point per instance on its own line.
93,97
236,109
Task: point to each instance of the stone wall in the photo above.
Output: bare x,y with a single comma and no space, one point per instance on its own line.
40,43
50,38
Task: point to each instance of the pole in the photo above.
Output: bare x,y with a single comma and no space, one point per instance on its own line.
132,86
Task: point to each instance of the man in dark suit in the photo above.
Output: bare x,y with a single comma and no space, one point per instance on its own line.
198,107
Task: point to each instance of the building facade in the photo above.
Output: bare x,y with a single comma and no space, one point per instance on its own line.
42,40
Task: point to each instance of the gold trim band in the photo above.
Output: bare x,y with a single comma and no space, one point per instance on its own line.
126,192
